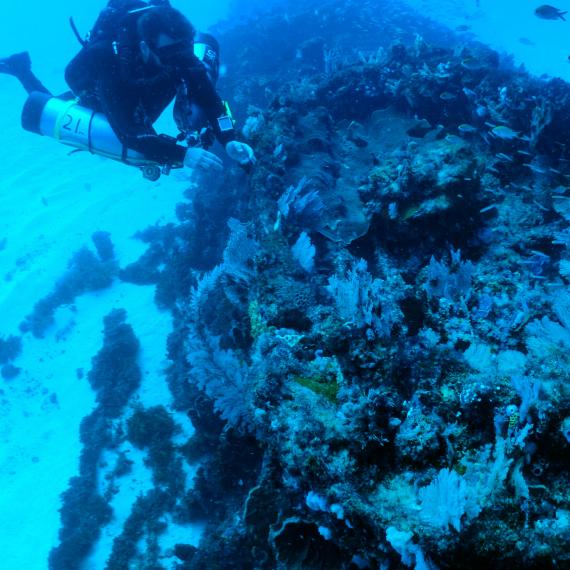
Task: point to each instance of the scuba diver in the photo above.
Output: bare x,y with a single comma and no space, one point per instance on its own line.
138,58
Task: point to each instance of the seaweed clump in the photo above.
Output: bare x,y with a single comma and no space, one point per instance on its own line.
86,272
114,375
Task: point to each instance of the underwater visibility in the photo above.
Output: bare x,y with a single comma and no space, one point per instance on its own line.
285,285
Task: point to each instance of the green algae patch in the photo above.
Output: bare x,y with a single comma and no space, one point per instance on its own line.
319,385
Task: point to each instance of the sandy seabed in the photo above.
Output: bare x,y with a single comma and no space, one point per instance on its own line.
50,205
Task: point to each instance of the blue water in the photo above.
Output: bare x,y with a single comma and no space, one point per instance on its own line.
508,25
511,27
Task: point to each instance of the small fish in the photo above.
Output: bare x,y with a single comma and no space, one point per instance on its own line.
469,93
472,63
467,129
547,12
446,96
524,187
526,42
536,169
454,139
481,111
504,157
524,152
504,133
463,28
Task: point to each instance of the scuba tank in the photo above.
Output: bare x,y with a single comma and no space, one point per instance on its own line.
82,128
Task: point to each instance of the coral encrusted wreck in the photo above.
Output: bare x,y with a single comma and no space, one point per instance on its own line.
375,354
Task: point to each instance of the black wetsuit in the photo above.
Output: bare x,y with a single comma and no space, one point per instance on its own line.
132,95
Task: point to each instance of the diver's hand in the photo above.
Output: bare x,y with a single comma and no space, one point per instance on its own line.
202,159
240,152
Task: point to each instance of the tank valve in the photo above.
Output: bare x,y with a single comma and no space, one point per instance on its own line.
151,172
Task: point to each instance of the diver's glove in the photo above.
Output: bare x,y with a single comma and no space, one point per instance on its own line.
241,152
202,159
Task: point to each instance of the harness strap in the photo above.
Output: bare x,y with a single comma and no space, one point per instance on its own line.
89,133
76,32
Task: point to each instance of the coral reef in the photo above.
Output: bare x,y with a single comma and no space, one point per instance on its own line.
114,376
86,272
10,349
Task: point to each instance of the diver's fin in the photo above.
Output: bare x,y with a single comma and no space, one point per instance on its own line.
16,64
561,15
